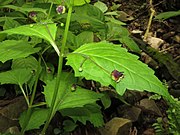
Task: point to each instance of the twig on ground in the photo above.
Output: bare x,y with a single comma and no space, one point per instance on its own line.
150,20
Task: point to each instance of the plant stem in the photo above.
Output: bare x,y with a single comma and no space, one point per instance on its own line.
25,96
29,111
50,10
60,64
150,20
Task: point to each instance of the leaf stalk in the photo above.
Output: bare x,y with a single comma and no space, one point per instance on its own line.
30,104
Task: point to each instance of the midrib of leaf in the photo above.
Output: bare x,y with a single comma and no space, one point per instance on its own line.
18,50
46,37
28,27
14,78
65,96
63,99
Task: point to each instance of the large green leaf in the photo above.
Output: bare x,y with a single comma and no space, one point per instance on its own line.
67,80
78,98
18,76
96,61
29,62
41,30
37,119
90,112
89,14
11,23
75,42
12,49
2,19
84,37
70,99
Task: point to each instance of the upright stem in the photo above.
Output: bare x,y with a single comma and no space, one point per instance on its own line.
25,96
60,64
29,111
150,20
50,10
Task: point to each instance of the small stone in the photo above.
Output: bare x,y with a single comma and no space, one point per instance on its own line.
116,126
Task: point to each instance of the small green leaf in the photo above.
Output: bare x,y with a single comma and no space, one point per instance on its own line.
101,6
69,125
37,119
80,2
166,15
116,31
106,101
90,112
2,91
102,58
12,49
17,76
115,21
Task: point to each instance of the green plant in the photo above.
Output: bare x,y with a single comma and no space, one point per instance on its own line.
38,34
171,126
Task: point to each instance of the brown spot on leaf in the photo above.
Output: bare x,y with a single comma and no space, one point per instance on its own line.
116,75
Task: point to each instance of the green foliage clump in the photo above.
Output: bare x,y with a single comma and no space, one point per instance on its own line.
173,121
